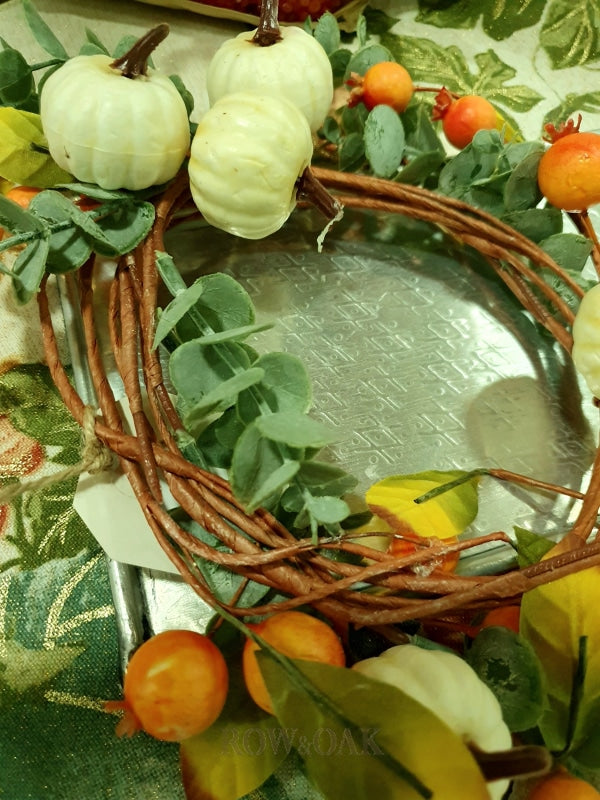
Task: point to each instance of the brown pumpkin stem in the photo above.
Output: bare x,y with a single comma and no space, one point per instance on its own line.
311,190
268,32
135,61
518,762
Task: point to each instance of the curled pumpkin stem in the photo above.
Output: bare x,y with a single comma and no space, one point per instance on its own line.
311,190
135,61
518,762
268,32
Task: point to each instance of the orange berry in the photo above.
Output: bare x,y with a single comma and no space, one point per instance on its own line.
22,195
296,635
464,117
569,172
386,83
504,616
175,686
560,785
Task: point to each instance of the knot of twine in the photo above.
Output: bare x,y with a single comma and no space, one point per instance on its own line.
95,457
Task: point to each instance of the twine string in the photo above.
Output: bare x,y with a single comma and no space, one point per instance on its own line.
95,458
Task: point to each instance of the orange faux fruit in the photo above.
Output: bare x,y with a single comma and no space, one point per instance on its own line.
296,635
560,785
504,616
385,83
569,172
175,687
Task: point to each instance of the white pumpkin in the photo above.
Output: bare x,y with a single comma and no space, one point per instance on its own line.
296,67
446,685
111,130
586,339
246,157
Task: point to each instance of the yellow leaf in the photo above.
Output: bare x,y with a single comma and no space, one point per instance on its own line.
23,151
554,618
444,516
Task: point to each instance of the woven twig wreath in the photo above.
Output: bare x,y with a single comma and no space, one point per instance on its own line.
264,551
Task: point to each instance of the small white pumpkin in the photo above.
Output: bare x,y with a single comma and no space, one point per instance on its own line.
115,131
247,155
450,688
295,67
586,339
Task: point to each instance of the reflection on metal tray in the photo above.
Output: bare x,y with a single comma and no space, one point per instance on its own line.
418,360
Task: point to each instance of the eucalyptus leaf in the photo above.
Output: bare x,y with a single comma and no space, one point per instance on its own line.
28,270
327,510
195,370
351,152
331,130
16,78
384,141
95,192
339,63
327,33
186,95
507,663
124,226
521,190
353,118
176,309
254,460
295,430
233,334
536,223
365,57
220,397
42,32
224,304
68,249
284,387
274,484
421,167
93,39
17,219
569,250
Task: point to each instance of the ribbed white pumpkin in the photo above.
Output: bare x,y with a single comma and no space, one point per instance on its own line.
246,156
586,339
296,67
117,132
446,685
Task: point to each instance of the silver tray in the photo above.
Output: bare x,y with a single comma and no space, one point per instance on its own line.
419,359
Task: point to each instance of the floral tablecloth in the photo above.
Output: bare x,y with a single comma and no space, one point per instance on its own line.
59,658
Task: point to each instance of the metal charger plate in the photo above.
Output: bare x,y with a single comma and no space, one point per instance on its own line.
419,359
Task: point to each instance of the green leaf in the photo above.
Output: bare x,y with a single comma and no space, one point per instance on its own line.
384,141
421,167
501,18
351,741
243,747
480,165
220,397
223,304
365,57
354,118
351,152
569,32
196,370
536,223
284,387
42,33
507,663
176,309
17,219
554,618
521,190
186,95
123,225
339,63
430,62
327,510
68,249
295,430
569,250
274,484
327,33
254,460
93,39
28,270
421,134
16,78
23,151
531,547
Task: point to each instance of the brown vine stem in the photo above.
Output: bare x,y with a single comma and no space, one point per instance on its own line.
135,61
268,32
584,225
